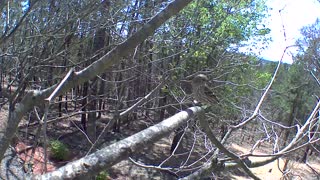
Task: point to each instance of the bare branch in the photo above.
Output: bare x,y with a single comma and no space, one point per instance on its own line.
33,98
110,155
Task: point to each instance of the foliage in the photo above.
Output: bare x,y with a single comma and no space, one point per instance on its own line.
205,37
59,150
263,78
309,45
209,28
103,175
210,32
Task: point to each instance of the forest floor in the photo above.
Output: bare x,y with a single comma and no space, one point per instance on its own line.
67,132
272,171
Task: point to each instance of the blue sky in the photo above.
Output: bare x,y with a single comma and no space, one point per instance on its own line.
294,15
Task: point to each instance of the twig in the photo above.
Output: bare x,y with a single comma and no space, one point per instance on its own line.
315,78
44,120
255,113
142,100
64,80
313,170
168,170
205,125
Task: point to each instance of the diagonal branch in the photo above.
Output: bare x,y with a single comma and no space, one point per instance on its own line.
33,98
111,155
205,125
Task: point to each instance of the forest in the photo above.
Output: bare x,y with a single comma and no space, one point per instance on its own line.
104,89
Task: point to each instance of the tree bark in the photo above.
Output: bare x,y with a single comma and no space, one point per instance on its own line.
35,97
111,155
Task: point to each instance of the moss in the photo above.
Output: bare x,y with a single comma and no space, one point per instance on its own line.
59,150
103,175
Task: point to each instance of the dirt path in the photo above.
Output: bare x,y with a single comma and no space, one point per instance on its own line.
271,171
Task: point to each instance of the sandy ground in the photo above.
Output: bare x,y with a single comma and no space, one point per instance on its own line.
272,171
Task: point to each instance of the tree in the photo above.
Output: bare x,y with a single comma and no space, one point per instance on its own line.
121,62
35,97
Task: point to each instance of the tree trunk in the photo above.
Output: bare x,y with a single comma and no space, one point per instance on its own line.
35,98
111,155
60,106
92,116
292,114
84,106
